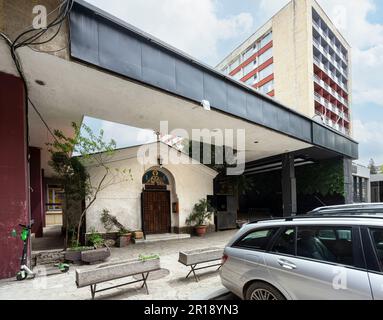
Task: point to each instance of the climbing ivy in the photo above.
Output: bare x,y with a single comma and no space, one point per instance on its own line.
325,178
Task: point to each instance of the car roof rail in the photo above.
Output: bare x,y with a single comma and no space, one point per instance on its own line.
322,216
350,207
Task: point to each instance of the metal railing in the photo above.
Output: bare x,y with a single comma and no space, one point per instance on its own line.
330,90
329,42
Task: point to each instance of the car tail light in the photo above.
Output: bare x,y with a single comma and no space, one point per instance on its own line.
224,259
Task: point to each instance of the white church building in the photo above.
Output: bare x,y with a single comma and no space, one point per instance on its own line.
165,185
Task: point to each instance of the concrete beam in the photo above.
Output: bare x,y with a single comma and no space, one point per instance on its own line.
36,191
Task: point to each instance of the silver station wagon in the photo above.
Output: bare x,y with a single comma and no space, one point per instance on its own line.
334,257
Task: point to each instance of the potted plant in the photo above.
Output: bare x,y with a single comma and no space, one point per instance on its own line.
123,237
202,211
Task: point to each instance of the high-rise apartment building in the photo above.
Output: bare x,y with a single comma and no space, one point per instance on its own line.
301,59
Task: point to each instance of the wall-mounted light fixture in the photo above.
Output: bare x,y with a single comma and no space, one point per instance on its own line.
159,161
206,105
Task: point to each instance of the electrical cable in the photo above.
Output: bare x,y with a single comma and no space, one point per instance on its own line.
48,51
59,19
14,45
50,13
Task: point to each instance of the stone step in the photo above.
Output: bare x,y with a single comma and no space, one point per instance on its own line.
162,237
47,257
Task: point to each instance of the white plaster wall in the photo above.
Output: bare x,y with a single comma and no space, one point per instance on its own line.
192,183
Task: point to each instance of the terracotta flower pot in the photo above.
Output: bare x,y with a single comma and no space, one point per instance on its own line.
200,230
123,240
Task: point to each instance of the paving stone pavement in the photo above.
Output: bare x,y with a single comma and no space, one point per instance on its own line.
174,286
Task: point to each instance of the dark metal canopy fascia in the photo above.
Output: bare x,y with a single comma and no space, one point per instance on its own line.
107,42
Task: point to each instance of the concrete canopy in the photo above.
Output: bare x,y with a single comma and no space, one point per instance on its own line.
73,89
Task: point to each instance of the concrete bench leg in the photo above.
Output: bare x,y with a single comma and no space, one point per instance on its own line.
192,267
93,290
144,278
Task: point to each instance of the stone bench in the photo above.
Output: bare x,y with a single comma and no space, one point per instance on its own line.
114,271
193,258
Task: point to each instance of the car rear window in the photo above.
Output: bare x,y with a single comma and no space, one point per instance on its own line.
331,244
257,239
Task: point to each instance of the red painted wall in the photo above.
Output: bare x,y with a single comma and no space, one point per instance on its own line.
13,172
36,194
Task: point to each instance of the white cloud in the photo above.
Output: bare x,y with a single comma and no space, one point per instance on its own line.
126,135
269,8
369,135
366,39
189,25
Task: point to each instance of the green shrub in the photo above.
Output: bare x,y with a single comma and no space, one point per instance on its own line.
95,239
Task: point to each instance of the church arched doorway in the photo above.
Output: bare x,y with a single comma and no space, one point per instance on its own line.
156,211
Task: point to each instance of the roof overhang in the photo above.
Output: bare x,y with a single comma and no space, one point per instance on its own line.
117,73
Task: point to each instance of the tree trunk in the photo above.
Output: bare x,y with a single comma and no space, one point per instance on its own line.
89,205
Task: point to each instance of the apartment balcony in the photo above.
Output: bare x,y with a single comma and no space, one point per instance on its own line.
330,90
330,43
330,58
346,117
329,106
333,76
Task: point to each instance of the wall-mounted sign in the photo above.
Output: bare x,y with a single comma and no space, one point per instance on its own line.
175,207
155,178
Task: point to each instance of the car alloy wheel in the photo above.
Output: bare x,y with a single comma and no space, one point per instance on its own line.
262,294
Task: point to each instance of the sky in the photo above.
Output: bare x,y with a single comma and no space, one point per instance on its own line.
184,25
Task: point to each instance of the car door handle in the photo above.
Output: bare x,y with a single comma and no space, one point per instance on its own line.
286,264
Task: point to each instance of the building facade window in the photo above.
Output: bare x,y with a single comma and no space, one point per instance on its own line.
265,56
375,192
55,196
252,80
238,75
268,87
266,72
234,64
266,39
360,189
249,52
250,67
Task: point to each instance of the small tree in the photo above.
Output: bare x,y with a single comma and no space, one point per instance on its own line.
372,167
68,156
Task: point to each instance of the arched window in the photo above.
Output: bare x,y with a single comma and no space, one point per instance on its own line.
155,178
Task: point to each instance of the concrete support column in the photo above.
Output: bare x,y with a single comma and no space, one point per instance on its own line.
14,206
348,181
289,190
36,182
44,190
